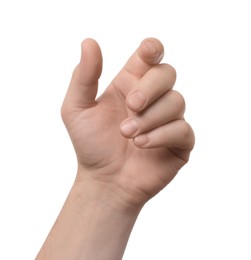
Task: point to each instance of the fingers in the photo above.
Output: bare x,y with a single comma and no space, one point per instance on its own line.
157,81
84,83
177,134
169,107
157,119
149,53
161,124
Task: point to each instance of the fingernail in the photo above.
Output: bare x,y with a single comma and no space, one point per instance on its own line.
136,100
141,140
129,127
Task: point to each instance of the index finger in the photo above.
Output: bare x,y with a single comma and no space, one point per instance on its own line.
149,53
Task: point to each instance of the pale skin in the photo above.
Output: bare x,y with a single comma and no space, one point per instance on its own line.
129,143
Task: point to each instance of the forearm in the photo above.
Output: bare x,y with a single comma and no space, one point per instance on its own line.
91,225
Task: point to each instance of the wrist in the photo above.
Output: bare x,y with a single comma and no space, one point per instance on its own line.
93,224
104,220
93,189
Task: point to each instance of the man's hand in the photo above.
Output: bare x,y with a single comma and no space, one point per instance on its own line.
133,138
129,143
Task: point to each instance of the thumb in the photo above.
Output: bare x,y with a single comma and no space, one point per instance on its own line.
84,83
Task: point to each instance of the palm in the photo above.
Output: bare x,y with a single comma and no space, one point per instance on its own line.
101,147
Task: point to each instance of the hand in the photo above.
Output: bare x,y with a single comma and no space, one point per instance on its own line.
133,138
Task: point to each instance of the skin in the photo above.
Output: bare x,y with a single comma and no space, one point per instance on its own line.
130,143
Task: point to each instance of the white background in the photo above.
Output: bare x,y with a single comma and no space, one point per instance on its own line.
205,213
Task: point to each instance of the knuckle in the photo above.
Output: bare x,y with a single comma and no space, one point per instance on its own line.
179,101
188,135
172,71
169,72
